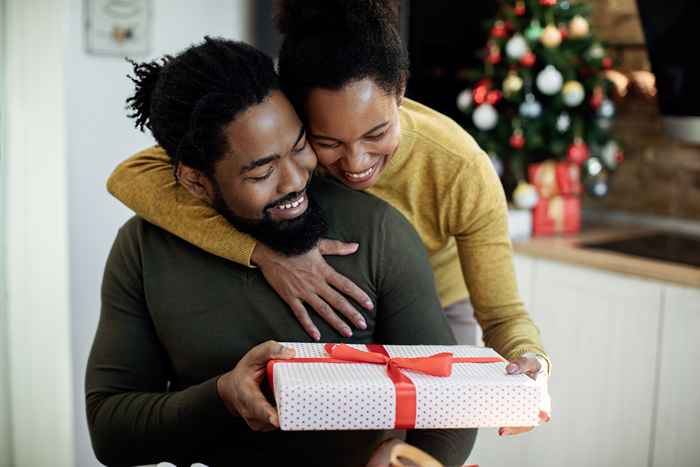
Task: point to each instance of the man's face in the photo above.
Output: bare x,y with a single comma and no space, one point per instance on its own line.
260,184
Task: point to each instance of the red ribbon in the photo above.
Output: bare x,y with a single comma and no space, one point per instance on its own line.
439,364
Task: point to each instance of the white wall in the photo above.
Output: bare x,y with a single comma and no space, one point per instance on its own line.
99,136
38,322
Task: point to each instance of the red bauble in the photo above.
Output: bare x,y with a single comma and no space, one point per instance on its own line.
517,140
528,60
520,8
493,97
481,91
578,152
607,63
494,57
548,2
620,157
499,30
597,98
564,31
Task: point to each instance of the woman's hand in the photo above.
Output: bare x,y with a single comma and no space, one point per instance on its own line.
309,279
240,387
529,365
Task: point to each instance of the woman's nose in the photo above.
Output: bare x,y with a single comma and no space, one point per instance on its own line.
356,158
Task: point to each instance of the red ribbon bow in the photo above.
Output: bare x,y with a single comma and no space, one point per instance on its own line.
439,364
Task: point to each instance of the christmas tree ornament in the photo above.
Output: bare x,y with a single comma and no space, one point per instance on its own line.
573,93
517,140
517,47
494,97
597,185
528,60
604,123
592,166
548,2
494,54
512,84
612,155
597,98
578,27
551,37
578,151
607,63
596,52
606,109
499,30
464,100
549,80
525,195
481,90
534,31
497,164
520,8
530,108
563,122
564,31
485,117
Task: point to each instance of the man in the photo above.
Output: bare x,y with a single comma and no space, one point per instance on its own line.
175,370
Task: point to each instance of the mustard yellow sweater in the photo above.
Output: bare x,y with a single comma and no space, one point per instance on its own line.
439,179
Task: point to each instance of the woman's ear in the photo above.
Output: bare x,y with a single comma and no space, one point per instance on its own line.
401,93
196,183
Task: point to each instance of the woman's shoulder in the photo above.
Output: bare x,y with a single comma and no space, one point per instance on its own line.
439,138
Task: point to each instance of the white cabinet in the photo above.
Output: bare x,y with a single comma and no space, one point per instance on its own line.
677,434
601,330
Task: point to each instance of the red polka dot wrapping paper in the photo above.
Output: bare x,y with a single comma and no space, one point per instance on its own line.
361,396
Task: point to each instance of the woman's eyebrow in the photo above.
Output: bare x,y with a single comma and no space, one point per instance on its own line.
371,130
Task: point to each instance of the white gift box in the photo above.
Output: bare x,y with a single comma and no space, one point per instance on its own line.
323,395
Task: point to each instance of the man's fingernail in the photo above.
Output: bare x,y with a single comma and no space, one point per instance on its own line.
316,335
347,332
369,305
362,324
354,246
273,420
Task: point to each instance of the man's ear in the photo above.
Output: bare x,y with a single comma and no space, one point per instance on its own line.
196,183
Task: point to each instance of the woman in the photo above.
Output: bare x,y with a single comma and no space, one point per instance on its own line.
343,66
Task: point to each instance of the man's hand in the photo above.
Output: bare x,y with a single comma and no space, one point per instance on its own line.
309,279
531,366
240,387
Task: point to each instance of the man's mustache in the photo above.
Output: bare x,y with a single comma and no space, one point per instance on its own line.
288,197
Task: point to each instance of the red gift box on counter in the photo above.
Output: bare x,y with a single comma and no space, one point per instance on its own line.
557,215
552,178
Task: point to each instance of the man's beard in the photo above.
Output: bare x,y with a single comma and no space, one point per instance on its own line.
290,237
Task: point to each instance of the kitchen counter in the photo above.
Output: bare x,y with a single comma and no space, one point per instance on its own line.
567,249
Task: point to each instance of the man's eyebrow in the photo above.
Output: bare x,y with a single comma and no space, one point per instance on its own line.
259,162
368,132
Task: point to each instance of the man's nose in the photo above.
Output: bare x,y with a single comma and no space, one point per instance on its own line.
293,177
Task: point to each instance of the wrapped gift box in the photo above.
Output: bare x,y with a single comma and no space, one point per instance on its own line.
358,387
557,215
552,178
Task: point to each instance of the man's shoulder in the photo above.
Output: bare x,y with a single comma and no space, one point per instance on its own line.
332,196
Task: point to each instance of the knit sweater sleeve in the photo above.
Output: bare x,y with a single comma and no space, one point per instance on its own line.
477,216
145,183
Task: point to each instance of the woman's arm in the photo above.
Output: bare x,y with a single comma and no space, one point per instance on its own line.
477,215
145,183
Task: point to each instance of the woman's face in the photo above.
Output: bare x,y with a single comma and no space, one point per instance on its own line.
354,130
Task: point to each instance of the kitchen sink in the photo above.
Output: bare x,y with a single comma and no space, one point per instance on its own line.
664,246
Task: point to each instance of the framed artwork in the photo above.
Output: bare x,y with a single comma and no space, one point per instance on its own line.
118,27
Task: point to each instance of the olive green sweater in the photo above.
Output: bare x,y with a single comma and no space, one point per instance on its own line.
174,318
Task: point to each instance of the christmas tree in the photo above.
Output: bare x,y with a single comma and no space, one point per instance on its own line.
543,94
